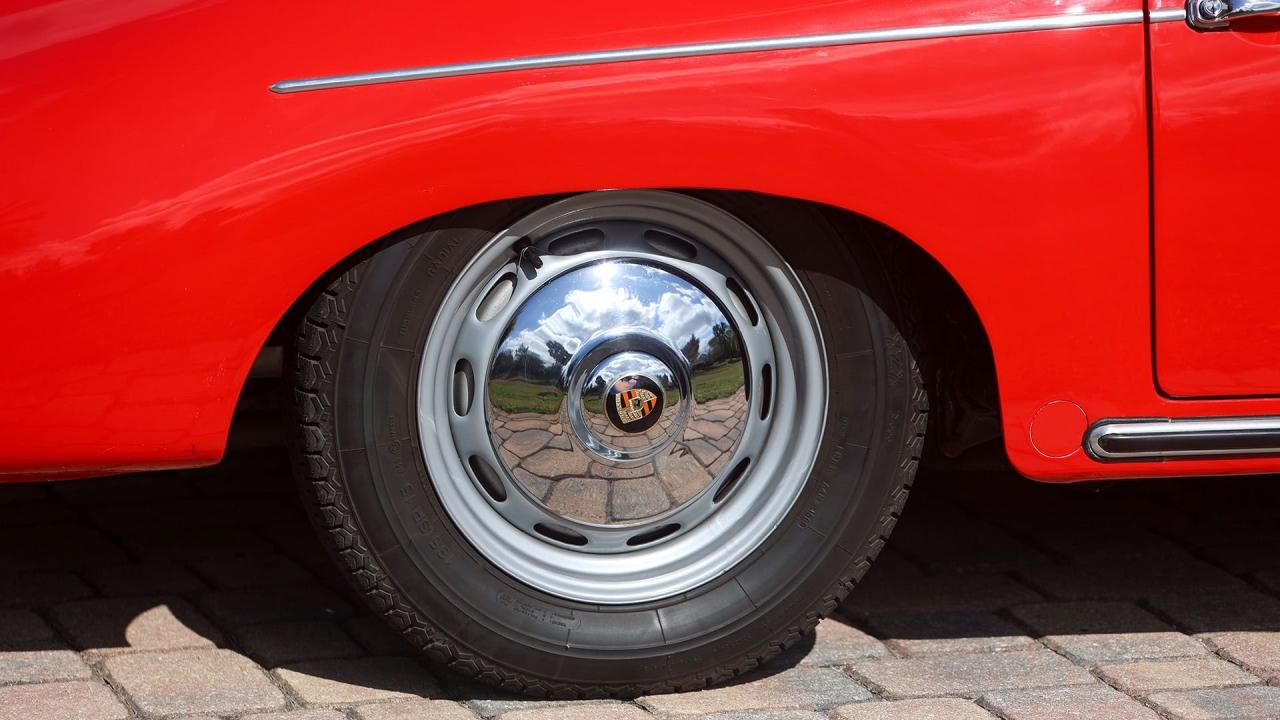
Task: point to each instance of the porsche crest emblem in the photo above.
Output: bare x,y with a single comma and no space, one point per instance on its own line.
634,403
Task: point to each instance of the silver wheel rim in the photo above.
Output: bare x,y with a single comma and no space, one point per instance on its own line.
554,461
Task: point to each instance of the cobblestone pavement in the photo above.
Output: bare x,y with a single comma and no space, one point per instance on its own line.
204,594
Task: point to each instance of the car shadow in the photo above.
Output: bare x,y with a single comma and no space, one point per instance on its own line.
982,561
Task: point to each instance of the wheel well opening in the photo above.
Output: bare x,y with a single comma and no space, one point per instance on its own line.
946,333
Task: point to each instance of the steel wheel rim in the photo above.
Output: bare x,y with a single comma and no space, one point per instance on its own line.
755,482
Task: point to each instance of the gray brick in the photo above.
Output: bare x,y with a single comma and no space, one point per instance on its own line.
947,541
923,709
194,544
252,571
358,680
1089,702
1221,611
795,688
1091,632
159,577
233,608
417,709
766,715
1258,651
60,546
135,623
279,643
313,714
947,593
1131,579
583,711
29,651
139,488
946,633
489,701
970,675
1147,676
194,681
60,701
40,589
1239,702
835,642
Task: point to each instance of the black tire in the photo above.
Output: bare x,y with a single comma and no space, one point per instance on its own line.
361,471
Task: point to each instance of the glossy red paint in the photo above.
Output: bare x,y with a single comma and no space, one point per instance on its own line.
162,208
1216,258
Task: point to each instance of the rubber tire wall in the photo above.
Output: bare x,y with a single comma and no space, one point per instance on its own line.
354,368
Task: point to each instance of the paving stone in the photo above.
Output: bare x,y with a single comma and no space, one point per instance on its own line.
1105,544
556,463
60,701
818,688
489,701
40,589
374,635
198,543
187,515
682,475
1088,702
313,714
947,541
1091,632
584,711
1239,702
1148,676
970,675
38,513
526,442
138,488
252,572
278,643
358,680
536,486
928,594
1258,651
943,633
638,498
416,709
766,715
835,642
1131,579
135,623
233,608
31,652
581,498
1222,611
60,546
705,452
925,709
193,681
158,577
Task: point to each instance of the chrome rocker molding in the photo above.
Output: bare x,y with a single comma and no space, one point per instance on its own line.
663,52
1164,438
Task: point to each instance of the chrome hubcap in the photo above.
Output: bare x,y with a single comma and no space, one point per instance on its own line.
619,393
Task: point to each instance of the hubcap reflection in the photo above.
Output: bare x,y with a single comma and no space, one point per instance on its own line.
621,396
617,394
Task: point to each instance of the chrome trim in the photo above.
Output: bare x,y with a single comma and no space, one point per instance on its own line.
1210,14
1178,14
1190,437
665,52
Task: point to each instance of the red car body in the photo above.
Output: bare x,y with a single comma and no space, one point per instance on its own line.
1086,186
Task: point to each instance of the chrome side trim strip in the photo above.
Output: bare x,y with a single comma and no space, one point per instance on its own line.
663,52
1159,439
1168,15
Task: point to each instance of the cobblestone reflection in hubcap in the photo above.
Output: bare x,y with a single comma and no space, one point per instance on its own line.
615,354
